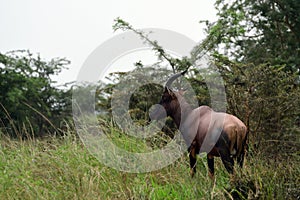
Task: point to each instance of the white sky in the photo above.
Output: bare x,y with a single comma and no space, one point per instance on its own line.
73,29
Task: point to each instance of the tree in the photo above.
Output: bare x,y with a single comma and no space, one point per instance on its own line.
256,47
30,104
265,31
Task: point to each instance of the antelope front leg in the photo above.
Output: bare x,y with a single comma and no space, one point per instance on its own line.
193,160
211,168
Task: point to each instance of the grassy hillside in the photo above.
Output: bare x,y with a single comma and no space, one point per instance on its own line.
62,168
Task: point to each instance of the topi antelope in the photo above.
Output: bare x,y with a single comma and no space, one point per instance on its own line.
204,130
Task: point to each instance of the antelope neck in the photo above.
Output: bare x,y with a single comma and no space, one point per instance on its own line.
181,111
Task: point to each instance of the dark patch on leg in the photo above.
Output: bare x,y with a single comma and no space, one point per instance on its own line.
211,168
193,160
240,159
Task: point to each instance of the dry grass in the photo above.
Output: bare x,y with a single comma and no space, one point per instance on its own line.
62,168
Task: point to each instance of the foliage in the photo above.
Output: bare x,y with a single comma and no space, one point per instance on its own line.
249,31
28,98
267,99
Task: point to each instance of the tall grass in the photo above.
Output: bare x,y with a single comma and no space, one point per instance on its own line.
62,168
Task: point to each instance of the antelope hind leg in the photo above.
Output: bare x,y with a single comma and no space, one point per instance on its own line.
227,160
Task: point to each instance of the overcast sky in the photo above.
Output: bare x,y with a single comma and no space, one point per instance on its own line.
73,29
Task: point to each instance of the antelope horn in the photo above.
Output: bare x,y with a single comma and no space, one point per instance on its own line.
174,77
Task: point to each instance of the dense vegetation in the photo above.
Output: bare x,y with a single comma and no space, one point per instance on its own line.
29,101
254,45
62,168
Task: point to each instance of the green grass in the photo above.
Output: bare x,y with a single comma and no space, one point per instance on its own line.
62,168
